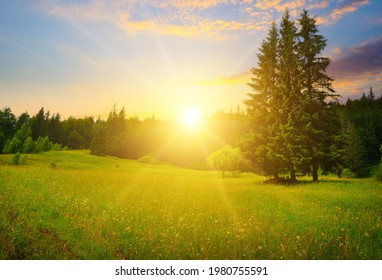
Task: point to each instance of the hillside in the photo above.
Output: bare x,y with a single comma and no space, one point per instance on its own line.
72,205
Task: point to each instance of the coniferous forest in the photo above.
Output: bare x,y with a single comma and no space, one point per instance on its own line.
352,150
293,123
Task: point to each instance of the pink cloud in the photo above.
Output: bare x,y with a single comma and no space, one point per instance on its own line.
343,8
357,68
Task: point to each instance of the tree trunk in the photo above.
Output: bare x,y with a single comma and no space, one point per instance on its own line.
315,172
293,175
276,175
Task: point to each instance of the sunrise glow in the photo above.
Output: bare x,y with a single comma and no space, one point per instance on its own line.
79,58
191,118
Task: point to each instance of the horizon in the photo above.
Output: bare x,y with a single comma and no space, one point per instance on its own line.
160,58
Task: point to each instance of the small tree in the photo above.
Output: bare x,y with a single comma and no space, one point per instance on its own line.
43,144
12,146
228,159
18,160
29,146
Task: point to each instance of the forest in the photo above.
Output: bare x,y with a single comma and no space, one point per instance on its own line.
293,123
357,143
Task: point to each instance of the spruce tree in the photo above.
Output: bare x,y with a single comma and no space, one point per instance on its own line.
293,120
289,137
262,107
317,92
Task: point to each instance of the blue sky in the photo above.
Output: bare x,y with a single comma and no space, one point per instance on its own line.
159,57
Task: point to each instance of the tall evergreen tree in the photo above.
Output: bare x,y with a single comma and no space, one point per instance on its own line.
8,122
316,89
262,107
371,95
289,137
23,118
39,123
54,129
290,110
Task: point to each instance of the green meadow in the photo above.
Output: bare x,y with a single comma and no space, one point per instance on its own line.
72,205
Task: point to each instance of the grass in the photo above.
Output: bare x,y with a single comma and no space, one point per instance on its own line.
71,205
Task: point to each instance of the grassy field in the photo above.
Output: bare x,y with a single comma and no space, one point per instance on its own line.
71,205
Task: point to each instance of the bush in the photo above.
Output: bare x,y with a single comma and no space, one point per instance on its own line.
12,146
148,160
43,144
29,146
18,160
228,159
57,147
347,173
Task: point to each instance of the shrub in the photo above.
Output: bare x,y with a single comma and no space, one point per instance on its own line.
228,159
12,146
29,146
57,147
43,144
347,173
18,160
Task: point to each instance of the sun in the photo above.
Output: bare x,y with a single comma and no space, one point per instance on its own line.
191,118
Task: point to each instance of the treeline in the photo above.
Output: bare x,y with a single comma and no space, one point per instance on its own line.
355,148
120,136
43,132
361,128
165,141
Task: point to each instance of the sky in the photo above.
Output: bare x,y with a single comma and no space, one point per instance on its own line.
79,58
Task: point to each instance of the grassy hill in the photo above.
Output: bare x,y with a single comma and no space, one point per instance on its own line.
72,205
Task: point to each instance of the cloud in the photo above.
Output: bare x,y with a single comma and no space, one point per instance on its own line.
291,5
357,68
356,61
202,28
343,8
197,18
90,11
280,6
318,5
267,4
193,4
216,19
166,29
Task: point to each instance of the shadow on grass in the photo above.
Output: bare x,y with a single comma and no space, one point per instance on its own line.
290,183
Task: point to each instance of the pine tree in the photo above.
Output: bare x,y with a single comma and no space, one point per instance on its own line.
262,107
371,95
316,89
8,122
39,123
293,122
289,136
